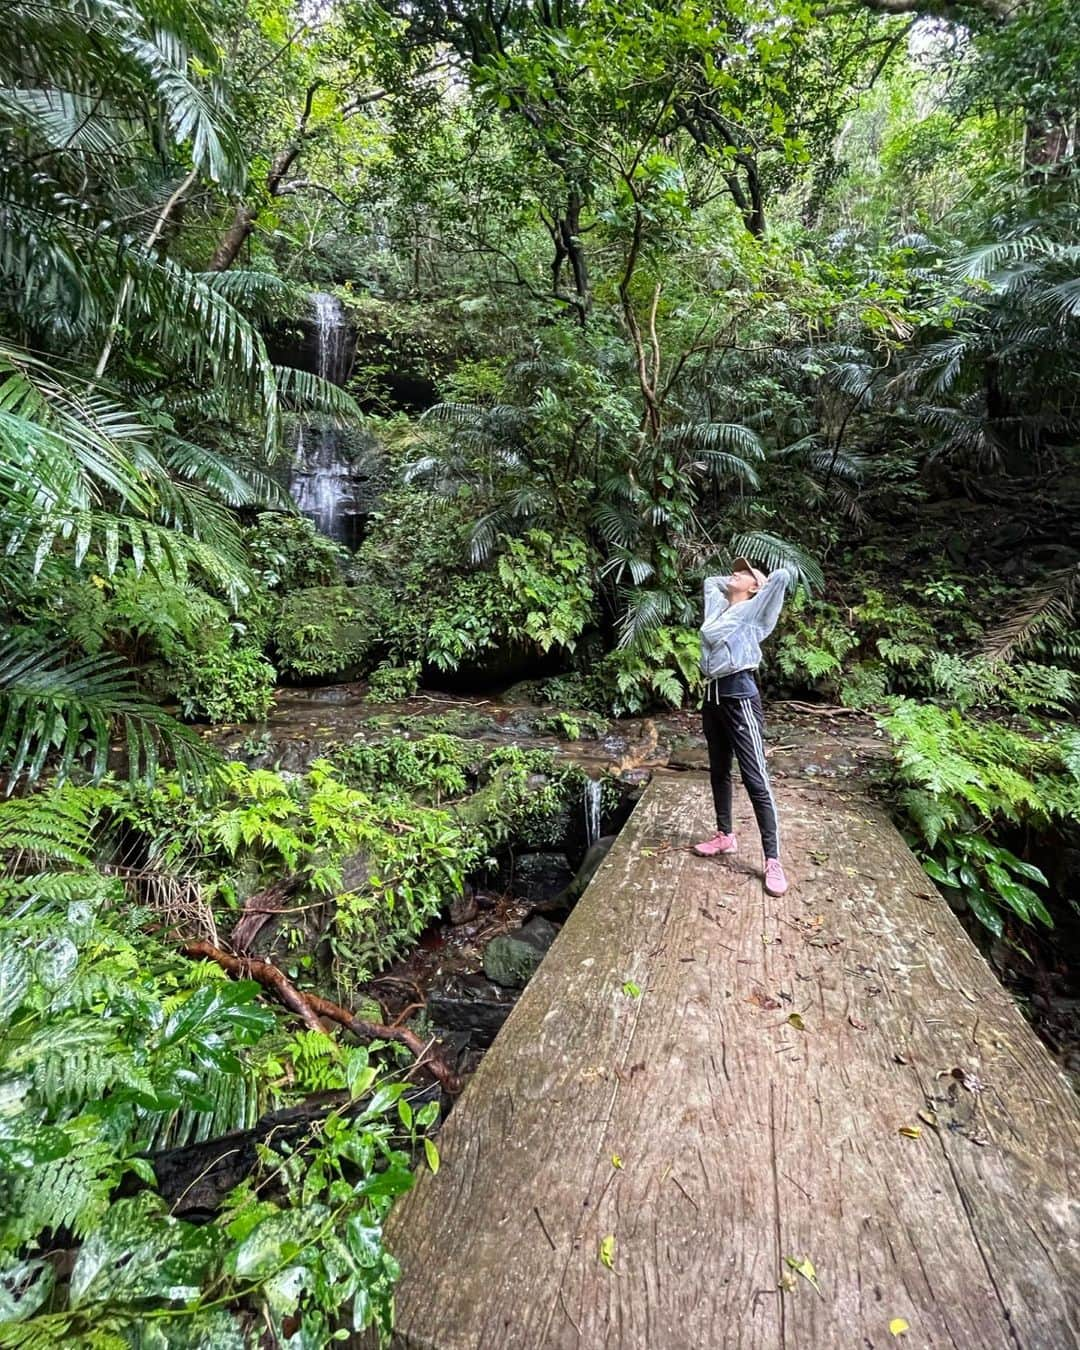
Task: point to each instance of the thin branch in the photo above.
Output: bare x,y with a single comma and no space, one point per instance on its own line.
125,290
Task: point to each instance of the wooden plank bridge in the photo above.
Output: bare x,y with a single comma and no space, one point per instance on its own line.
810,1122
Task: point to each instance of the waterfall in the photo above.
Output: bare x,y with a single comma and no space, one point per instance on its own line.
593,788
324,482
330,335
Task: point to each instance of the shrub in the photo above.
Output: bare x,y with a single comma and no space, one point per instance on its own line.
288,553
963,783
325,631
228,684
112,1044
660,670
534,597
389,684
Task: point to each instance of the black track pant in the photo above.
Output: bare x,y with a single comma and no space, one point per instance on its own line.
733,727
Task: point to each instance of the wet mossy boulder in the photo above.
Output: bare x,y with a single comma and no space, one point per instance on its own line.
512,959
326,632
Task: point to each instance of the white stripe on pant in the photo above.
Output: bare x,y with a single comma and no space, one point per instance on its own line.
733,729
755,735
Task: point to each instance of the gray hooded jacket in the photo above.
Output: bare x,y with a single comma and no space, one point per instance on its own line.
731,635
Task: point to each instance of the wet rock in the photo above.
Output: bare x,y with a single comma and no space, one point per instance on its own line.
470,1003
463,907
524,692
566,899
538,876
512,959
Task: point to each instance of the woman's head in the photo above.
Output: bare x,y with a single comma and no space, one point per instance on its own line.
745,581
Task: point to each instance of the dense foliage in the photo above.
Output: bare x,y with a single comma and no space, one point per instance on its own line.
627,289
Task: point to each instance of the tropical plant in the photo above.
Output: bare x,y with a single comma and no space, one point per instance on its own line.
964,783
96,471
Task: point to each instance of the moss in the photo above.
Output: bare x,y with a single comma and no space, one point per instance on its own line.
326,631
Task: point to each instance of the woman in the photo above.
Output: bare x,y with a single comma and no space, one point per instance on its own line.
741,611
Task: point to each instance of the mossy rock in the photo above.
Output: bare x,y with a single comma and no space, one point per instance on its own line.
325,632
512,959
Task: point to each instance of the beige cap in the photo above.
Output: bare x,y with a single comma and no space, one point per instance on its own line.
741,565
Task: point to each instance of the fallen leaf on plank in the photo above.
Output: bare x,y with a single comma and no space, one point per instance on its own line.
607,1251
802,1265
911,1131
898,1327
761,1000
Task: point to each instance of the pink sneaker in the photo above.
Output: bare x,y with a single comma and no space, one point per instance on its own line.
719,843
775,881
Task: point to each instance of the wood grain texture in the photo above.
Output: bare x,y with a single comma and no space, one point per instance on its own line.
745,1140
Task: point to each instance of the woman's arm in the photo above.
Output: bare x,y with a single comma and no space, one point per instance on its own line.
716,604
763,609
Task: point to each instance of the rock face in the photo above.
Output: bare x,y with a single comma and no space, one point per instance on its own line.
539,876
512,959
471,1004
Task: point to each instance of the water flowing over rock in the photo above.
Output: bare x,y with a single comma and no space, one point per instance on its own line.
331,477
593,789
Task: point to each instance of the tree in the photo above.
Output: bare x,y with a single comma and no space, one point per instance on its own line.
102,114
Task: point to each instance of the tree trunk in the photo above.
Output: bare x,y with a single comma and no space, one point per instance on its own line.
243,222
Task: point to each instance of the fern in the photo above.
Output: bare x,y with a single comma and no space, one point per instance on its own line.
62,713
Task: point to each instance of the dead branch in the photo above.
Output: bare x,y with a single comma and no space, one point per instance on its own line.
311,1007
821,709
259,908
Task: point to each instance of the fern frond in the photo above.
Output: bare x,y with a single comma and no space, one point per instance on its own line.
69,712
1056,600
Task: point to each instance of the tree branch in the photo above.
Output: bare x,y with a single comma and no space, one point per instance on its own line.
311,1007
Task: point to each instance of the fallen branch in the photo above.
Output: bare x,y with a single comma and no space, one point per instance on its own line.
312,1007
822,709
377,1031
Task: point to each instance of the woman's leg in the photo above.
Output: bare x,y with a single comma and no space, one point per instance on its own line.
714,722
746,725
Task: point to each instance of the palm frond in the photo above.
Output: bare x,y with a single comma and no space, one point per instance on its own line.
1055,602
244,485
64,714
58,119
708,438
624,560
980,264
618,526
772,552
194,116
302,389
838,463
645,612
60,442
485,533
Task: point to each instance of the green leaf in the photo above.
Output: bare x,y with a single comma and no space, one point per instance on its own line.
277,1240
14,981
985,911
937,872
431,1153
802,1265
